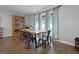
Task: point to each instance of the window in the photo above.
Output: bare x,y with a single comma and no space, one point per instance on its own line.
55,14
43,21
50,21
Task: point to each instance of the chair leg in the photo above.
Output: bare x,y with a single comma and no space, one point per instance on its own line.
50,40
44,44
49,44
32,40
26,44
38,42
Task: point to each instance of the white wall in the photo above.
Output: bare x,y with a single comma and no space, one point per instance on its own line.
27,21
31,21
68,23
6,22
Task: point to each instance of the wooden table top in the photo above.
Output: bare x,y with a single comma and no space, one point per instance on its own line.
34,32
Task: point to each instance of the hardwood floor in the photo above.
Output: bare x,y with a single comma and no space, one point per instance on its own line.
11,45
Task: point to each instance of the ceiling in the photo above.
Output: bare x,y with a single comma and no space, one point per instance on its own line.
26,9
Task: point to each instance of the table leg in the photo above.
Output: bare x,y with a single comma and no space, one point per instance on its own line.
35,41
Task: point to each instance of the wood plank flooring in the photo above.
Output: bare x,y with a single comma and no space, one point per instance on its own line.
12,45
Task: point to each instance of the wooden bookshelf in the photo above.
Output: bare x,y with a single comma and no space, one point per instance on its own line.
18,22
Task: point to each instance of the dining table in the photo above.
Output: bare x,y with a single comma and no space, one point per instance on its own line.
35,33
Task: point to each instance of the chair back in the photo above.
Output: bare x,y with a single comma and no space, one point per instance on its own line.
48,34
26,35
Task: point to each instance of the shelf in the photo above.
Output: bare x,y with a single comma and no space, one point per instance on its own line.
1,32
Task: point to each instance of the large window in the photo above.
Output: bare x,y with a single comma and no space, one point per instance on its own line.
48,20
55,15
43,21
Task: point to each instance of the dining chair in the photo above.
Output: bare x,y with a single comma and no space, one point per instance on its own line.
45,39
28,38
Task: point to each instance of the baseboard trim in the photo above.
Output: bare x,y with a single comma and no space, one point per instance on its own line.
65,42
7,36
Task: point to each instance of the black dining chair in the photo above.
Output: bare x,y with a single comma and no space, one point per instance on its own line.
28,37
45,39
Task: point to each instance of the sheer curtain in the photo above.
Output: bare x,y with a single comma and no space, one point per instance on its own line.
50,21
43,21
55,23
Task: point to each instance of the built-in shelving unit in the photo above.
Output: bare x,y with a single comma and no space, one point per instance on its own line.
1,32
18,22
